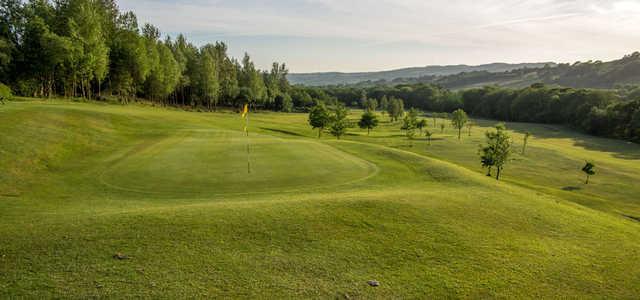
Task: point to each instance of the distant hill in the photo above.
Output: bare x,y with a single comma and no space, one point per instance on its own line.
335,78
590,74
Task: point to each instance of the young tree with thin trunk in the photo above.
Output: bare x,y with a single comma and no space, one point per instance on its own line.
319,118
421,125
339,121
470,126
458,119
428,134
442,126
497,151
526,139
368,121
588,169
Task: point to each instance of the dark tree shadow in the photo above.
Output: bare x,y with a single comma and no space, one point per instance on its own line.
281,131
618,148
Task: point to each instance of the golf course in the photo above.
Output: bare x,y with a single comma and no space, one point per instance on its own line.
142,201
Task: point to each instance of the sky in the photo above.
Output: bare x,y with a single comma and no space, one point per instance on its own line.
374,35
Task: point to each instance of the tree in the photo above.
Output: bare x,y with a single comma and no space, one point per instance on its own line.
486,159
339,121
428,134
469,126
458,119
526,139
442,126
395,109
319,118
368,121
497,151
372,104
384,104
588,169
251,82
421,124
409,123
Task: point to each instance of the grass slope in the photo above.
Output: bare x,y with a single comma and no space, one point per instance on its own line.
316,218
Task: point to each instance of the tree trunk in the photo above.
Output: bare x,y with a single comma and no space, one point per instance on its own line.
368,131
498,173
319,132
587,181
459,133
489,172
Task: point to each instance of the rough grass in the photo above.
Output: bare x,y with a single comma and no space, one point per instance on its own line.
315,219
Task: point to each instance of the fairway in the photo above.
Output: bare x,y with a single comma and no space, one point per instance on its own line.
315,217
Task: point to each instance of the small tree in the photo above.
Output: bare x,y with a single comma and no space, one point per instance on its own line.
319,118
589,170
458,119
486,158
421,124
469,126
384,104
372,104
526,139
339,121
442,127
395,109
497,151
368,121
409,125
428,134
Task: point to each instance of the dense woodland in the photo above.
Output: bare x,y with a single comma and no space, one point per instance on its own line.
89,49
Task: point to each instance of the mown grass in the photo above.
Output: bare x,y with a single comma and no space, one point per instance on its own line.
315,219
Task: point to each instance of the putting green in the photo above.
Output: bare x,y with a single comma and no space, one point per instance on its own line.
212,162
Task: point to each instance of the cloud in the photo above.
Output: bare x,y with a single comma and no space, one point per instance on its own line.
435,31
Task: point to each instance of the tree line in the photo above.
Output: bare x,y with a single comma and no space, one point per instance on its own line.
89,49
609,113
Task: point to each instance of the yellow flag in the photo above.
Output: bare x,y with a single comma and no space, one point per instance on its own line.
245,110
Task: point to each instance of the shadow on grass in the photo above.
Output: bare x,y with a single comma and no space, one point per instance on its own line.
281,131
637,219
618,148
571,188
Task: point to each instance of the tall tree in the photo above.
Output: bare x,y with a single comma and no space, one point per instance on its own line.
251,82
208,80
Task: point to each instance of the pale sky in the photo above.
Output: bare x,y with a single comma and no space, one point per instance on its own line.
371,35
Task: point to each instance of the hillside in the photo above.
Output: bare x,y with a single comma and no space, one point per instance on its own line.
316,218
590,74
334,78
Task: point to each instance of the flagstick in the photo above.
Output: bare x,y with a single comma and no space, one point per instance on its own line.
248,142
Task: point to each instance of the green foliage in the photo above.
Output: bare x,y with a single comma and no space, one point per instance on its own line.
5,93
428,134
395,109
368,121
497,151
410,123
319,118
589,170
339,121
458,119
